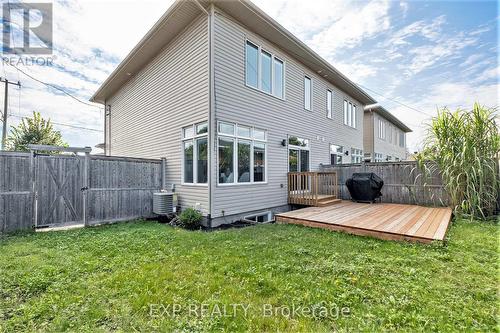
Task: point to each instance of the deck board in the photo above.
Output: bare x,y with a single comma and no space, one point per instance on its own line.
381,220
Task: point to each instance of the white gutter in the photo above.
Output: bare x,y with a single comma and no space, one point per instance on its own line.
371,106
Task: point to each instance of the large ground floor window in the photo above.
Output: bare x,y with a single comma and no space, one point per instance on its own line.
195,154
242,154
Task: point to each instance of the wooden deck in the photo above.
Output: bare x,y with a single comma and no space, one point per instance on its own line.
380,220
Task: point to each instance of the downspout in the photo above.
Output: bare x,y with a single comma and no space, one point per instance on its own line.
105,130
211,109
211,99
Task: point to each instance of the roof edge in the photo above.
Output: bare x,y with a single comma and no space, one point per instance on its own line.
389,116
98,97
151,32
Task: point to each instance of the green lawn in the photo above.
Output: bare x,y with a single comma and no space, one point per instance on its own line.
128,277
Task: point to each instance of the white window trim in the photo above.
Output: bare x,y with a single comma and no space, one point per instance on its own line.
349,111
329,100
360,155
310,93
345,110
236,138
268,213
341,153
289,146
259,70
195,154
402,135
381,129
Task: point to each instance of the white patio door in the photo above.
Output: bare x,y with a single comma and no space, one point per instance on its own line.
298,160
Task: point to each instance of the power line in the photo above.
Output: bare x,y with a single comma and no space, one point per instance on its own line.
54,86
396,101
62,124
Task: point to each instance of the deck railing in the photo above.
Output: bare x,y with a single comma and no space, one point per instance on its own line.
309,188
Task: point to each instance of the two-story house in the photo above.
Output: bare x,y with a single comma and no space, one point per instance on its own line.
384,135
234,102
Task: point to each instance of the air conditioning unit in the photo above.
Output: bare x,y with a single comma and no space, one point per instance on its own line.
163,203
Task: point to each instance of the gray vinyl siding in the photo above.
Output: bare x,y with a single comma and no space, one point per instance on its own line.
171,92
235,102
385,147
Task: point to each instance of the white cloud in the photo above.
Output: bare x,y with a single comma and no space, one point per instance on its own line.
89,38
357,72
355,26
448,94
472,60
462,95
426,56
404,7
302,18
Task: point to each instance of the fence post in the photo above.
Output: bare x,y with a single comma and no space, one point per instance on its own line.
33,188
163,172
86,185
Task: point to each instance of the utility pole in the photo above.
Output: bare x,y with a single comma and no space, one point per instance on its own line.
5,105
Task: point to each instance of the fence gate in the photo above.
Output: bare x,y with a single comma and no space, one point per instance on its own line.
58,184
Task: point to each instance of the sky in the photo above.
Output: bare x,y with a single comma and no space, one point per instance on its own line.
413,57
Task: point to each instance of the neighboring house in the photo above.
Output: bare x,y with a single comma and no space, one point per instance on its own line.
384,135
233,101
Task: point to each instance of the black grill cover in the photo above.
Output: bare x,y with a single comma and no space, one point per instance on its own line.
365,186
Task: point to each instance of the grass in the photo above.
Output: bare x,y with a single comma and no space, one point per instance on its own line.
106,278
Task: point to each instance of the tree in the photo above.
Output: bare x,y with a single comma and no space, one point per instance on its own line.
34,130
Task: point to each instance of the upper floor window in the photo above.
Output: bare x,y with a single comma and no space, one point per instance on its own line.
241,154
381,129
349,114
329,103
279,78
402,139
252,65
378,157
390,133
264,71
307,93
195,154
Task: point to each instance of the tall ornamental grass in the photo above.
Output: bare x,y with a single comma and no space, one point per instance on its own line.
465,145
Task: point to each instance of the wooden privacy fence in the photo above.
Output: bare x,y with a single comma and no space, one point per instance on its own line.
39,190
404,182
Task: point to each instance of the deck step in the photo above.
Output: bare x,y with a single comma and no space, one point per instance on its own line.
323,203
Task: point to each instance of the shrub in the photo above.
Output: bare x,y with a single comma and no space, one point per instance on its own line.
465,145
190,218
